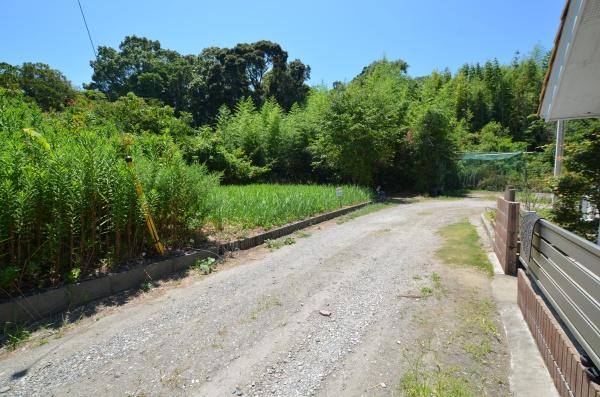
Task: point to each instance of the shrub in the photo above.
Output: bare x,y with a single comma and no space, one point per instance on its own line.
69,202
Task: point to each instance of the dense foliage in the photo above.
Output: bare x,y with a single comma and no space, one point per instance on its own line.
267,205
245,115
69,207
581,179
200,84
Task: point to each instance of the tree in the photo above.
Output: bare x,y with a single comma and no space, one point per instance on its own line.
200,84
47,86
363,124
435,151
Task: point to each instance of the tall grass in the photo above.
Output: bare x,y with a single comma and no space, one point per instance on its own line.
68,205
268,205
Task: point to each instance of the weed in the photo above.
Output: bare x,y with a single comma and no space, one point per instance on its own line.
147,286
302,234
461,247
437,280
267,303
424,381
15,334
490,214
278,243
479,316
205,266
426,292
73,275
478,351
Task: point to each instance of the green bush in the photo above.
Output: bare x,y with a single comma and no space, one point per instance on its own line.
69,203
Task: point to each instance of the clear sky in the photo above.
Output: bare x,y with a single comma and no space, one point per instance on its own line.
336,38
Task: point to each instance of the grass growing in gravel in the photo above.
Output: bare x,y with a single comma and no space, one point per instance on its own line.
367,209
269,205
267,303
278,243
423,381
462,247
15,335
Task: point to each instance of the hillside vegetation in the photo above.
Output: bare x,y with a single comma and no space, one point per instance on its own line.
238,116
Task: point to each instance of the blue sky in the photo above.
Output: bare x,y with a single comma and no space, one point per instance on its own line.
336,38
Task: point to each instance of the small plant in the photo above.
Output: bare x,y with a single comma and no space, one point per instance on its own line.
437,280
426,292
15,334
491,215
205,266
73,275
302,234
276,244
147,286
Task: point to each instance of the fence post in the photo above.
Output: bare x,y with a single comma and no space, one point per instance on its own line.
506,231
510,193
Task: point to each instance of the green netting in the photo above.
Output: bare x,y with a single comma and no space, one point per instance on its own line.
492,171
490,156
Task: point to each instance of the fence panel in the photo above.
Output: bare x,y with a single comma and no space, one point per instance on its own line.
566,268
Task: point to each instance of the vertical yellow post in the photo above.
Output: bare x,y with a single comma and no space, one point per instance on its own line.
145,208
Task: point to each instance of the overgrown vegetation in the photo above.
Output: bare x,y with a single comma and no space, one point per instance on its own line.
268,205
461,247
243,115
69,207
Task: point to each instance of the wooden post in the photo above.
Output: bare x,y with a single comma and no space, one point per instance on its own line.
506,231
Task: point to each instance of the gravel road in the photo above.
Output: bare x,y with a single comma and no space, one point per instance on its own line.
254,327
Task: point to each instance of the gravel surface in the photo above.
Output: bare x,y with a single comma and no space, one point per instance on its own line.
258,327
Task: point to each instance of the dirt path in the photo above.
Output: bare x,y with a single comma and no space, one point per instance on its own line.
254,327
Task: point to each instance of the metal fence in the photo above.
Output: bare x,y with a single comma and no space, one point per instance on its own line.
566,268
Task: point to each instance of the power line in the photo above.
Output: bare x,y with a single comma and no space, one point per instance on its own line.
88,30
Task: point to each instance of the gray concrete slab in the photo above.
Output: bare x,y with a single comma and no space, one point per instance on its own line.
529,376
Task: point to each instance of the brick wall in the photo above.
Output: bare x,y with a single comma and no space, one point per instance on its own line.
559,353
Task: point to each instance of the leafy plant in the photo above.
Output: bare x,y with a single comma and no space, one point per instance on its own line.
15,334
205,266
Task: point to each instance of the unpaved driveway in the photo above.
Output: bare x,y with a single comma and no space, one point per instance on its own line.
255,328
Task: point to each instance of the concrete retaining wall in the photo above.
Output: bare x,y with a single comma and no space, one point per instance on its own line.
38,306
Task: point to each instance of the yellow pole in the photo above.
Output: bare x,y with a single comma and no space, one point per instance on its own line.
145,208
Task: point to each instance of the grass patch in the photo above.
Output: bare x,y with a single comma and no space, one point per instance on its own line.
269,205
15,335
266,304
426,292
280,242
426,381
367,209
302,234
462,247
